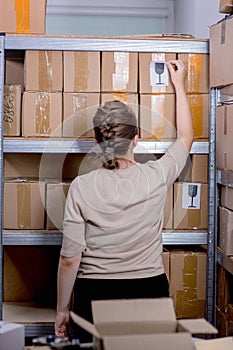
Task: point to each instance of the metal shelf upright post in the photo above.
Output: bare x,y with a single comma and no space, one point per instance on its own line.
2,63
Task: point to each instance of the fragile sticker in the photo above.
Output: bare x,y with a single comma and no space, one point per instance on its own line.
191,195
158,73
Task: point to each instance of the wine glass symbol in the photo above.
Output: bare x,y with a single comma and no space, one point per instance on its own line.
159,69
192,192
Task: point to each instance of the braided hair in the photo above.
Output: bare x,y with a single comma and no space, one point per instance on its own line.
115,126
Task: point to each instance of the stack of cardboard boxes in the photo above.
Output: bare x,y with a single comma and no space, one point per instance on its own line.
54,94
59,101
221,77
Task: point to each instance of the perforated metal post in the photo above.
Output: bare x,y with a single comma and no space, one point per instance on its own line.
2,64
212,215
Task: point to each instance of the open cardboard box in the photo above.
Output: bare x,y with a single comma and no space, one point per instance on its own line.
140,324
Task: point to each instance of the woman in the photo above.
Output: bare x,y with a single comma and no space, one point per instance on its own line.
112,244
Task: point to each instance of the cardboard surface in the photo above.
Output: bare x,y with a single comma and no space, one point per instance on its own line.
42,114
11,336
215,344
221,53
197,66
43,71
226,6
199,107
12,110
14,71
23,16
23,205
224,127
226,230
227,197
196,169
81,71
157,116
55,204
224,288
119,72
188,283
78,113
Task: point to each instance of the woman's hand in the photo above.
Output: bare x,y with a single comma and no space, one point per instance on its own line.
178,73
61,324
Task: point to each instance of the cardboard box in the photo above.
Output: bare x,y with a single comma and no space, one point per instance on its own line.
119,72
81,71
11,336
23,205
224,288
148,82
166,263
14,71
55,204
221,53
78,113
224,321
140,324
43,71
42,114
128,98
197,66
188,283
215,344
12,110
157,116
224,127
168,211
196,169
226,230
226,6
199,107
190,212
23,16
227,197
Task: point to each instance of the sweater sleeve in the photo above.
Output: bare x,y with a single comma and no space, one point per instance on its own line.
73,224
173,162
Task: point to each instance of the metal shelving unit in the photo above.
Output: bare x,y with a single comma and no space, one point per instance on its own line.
17,44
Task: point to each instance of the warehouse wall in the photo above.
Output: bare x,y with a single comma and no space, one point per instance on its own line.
195,16
132,17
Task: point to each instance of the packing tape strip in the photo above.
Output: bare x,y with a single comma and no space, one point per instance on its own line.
24,205
157,116
42,122
120,77
45,70
80,71
22,11
79,106
195,69
196,108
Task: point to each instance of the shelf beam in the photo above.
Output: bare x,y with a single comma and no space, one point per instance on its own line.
19,238
85,146
71,43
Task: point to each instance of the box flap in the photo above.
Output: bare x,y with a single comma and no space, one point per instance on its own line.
160,309
181,341
89,327
134,316
196,326
225,343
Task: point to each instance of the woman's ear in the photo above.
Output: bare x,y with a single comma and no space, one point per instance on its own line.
135,140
